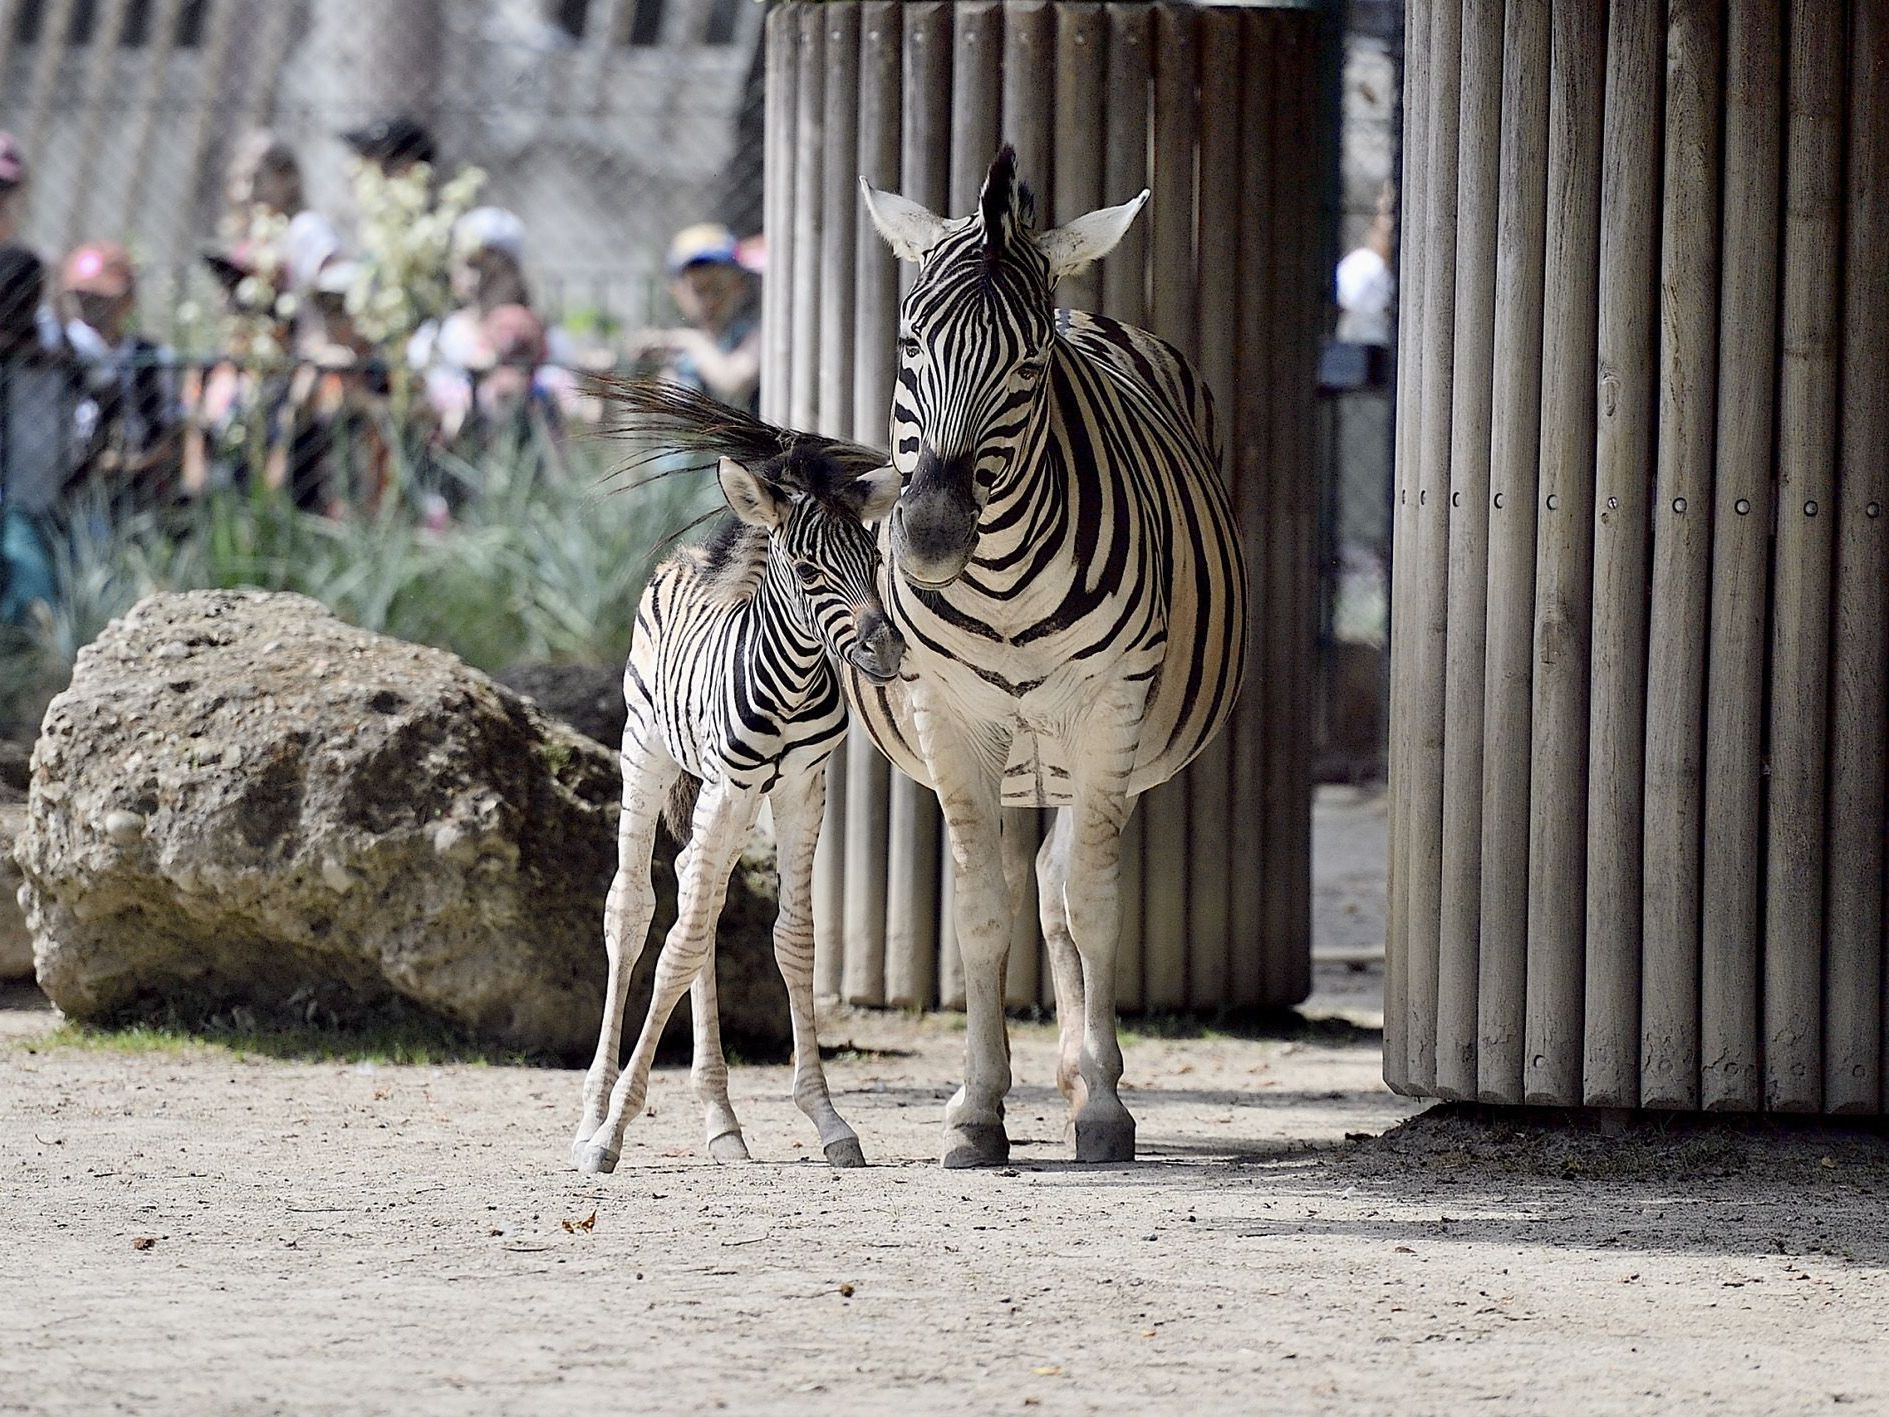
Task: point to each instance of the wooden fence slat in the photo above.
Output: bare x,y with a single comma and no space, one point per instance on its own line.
778,315
1428,599
1253,325
1859,687
1623,470
1467,517
1800,631
1682,546
49,52
107,29
160,41
1168,860
218,47
1563,559
1411,274
1081,67
1216,857
1303,287
808,215
1514,457
911,928
1729,927
875,330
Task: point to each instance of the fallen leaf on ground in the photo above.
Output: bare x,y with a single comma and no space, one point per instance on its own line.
143,1242
587,1224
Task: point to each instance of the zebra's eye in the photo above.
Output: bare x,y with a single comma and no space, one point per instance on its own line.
809,577
910,347
1029,373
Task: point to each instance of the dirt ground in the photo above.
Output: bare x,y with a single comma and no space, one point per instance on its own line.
188,1230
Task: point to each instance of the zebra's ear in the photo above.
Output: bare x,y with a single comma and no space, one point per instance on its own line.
750,498
876,493
909,229
1088,238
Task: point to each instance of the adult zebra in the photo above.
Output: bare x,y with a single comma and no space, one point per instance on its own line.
1073,599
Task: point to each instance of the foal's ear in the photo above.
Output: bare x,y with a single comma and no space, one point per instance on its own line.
1090,237
876,493
750,498
909,229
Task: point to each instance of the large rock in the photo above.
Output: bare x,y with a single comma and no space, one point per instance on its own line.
242,801
16,941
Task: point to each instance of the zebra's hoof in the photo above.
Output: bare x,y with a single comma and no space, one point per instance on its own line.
597,1160
845,1152
728,1149
1109,1137
976,1144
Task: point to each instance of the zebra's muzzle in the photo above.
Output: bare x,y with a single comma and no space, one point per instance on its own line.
934,526
881,649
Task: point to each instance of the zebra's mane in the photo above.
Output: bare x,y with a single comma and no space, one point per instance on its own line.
1005,207
664,419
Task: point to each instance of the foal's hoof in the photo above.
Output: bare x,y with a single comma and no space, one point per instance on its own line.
845,1152
976,1144
1105,1138
597,1160
728,1149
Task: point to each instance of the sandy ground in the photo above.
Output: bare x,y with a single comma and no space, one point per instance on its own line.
190,1231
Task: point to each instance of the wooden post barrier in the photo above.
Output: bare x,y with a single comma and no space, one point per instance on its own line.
1210,108
1658,745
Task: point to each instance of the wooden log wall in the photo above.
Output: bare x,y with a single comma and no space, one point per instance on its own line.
1210,108
1641,660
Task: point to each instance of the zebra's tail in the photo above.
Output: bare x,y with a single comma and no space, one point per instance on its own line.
678,813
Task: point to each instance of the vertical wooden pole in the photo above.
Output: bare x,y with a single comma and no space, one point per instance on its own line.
1081,65
1167,932
1626,409
106,32
159,42
875,329
912,848
1730,939
1472,392
1219,844
1563,558
1303,286
783,69
1682,546
976,90
1800,628
1254,330
1514,458
1412,208
1122,124
49,52
1859,688
1428,601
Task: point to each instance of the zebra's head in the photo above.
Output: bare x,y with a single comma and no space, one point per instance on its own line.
821,554
976,338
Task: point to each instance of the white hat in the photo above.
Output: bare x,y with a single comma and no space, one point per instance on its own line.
337,277
309,244
489,229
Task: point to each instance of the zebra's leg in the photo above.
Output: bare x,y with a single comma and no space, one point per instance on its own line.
647,775
1092,902
968,791
709,1071
799,802
1052,875
722,818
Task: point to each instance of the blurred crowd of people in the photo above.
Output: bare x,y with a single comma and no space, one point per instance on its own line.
97,418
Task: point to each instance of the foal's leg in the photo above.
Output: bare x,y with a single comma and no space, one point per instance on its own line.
799,801
709,1073
647,775
722,818
1052,876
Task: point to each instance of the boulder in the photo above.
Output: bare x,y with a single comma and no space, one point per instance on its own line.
243,802
16,941
588,698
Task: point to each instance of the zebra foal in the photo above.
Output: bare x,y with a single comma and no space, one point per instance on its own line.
1071,591
733,683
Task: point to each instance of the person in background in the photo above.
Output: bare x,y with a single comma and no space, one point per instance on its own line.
265,180
130,420
394,145
12,187
327,440
1366,286
718,351
38,395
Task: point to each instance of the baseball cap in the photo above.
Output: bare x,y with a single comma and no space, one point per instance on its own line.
489,229
98,268
706,244
12,161
398,139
